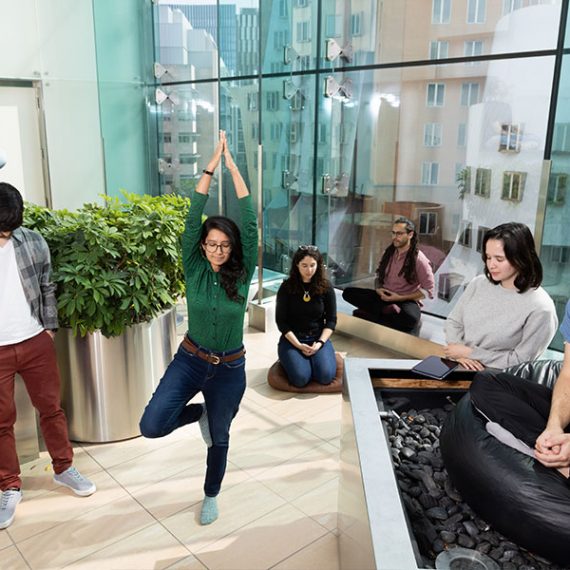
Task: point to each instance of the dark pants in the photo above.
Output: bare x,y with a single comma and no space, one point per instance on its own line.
369,301
520,406
35,360
301,369
222,386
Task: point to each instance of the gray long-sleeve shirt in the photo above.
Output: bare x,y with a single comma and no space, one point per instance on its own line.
502,326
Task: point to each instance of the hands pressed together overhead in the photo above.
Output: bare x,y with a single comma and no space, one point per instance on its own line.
221,149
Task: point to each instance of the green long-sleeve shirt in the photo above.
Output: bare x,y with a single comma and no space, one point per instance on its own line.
214,321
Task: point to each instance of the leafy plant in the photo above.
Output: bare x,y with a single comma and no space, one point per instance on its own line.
114,265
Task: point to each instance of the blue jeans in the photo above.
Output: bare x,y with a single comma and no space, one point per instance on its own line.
222,386
301,369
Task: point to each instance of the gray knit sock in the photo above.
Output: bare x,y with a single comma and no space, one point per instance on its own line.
204,427
209,510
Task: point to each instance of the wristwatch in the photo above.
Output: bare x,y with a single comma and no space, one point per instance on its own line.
321,341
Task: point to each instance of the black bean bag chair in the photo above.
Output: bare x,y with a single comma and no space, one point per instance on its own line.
518,496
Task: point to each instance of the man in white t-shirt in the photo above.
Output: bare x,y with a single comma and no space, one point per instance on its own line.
28,321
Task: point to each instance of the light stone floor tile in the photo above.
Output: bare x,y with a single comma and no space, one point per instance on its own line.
302,473
11,559
5,540
323,553
262,543
188,563
303,406
238,506
111,454
253,425
158,465
152,548
321,504
177,493
80,537
274,449
325,424
49,510
265,396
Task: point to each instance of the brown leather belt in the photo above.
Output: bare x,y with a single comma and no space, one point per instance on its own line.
210,357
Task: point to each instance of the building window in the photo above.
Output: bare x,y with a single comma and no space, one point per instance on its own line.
438,50
461,135
252,101
304,62
481,231
557,188
280,39
463,179
435,94
304,31
255,131
559,254
513,186
272,100
427,223
441,12
188,158
166,137
510,138
295,132
483,182
275,131
184,137
322,133
469,94
301,3
561,140
430,173
432,134
476,11
283,11
472,49
356,24
511,5
333,25
465,234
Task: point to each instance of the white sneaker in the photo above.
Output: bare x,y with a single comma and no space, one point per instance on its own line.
72,479
8,504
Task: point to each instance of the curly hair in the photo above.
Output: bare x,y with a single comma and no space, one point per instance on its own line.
409,268
520,251
11,208
233,270
319,282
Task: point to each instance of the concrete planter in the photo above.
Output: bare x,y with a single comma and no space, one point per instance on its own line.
107,382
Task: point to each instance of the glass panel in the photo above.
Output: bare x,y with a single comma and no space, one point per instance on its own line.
186,39
288,147
393,172
289,35
555,252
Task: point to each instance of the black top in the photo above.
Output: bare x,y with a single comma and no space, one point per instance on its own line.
305,318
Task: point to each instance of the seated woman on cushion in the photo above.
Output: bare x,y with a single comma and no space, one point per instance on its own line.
503,317
306,317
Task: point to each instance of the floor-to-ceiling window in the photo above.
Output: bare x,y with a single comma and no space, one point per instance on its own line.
439,110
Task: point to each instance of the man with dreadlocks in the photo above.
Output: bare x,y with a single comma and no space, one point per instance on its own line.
404,277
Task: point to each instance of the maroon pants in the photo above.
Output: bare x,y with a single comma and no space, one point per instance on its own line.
34,359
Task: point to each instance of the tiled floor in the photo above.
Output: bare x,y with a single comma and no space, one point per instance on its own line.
278,506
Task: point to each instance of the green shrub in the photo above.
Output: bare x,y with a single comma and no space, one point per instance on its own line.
114,265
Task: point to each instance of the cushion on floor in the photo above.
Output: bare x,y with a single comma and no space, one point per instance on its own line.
277,378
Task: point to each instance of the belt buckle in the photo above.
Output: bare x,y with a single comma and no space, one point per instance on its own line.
214,359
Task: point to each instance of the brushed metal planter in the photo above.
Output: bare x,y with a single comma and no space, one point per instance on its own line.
107,382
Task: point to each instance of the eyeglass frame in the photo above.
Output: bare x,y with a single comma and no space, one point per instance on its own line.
222,247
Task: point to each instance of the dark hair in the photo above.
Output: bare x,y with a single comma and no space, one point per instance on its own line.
11,208
409,268
520,251
319,282
233,270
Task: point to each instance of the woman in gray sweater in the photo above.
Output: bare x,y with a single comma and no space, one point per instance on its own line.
503,317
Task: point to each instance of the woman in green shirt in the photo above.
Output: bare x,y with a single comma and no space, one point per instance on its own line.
219,262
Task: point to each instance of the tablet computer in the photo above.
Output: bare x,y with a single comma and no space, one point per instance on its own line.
435,367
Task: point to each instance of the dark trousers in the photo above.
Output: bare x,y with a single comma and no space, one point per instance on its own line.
35,360
520,406
369,301
222,386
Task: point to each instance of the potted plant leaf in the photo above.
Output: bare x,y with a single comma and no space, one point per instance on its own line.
118,272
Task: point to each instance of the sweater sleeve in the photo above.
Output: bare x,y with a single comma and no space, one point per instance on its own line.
281,311
425,276
249,234
454,328
329,299
537,333
192,229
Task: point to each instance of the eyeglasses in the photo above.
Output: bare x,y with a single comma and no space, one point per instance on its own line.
399,233
308,248
212,247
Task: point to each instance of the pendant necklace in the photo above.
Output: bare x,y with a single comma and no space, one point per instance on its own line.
306,296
